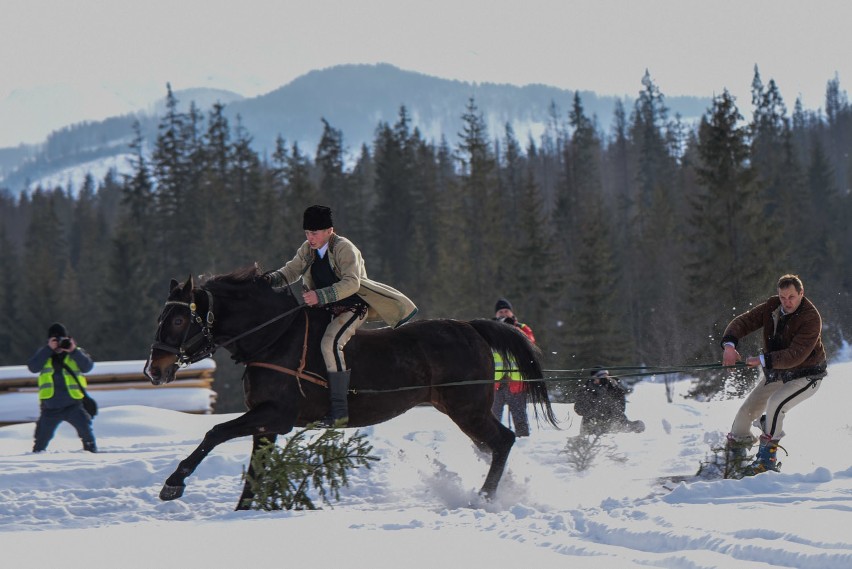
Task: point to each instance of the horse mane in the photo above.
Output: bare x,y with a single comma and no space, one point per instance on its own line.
239,277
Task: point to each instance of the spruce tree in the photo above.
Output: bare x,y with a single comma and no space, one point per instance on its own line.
218,203
620,175
839,136
89,231
361,200
132,267
655,285
728,264
649,124
594,334
451,290
11,353
299,194
293,476
396,200
46,250
477,183
129,314
172,195
769,160
254,212
332,177
821,247
535,283
425,186
282,218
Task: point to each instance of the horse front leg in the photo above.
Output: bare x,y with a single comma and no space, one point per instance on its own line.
247,497
254,422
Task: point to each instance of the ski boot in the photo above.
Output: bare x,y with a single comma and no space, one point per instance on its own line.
766,458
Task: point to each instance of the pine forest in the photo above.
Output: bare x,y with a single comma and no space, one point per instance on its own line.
634,246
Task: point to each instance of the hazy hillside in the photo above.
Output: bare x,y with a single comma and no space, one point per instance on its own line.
352,98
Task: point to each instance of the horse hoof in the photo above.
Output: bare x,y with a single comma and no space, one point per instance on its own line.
171,492
487,495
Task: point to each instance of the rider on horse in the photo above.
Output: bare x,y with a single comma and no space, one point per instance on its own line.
335,277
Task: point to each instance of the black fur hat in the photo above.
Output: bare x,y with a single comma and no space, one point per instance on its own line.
317,217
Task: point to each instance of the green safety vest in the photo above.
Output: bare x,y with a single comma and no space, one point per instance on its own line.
45,379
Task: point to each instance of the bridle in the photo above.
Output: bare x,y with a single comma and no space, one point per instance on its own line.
201,345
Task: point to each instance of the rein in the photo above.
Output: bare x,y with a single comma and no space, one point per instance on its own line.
300,372
186,353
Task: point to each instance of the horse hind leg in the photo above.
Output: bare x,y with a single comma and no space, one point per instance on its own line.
488,431
500,444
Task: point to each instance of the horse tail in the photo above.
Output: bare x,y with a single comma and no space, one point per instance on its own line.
511,343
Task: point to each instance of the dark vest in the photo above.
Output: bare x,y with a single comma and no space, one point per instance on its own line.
324,277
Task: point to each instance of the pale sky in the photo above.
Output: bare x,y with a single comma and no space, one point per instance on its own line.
105,57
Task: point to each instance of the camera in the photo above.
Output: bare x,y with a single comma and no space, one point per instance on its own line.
65,343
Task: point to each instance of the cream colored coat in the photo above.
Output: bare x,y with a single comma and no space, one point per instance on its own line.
386,303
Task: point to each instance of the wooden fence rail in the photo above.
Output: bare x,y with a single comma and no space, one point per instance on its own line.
112,384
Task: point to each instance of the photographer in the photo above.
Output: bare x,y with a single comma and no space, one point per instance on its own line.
61,365
602,402
510,389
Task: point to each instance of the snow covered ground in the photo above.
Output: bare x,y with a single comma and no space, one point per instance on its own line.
417,507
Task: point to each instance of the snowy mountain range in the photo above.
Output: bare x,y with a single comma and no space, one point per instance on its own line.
352,98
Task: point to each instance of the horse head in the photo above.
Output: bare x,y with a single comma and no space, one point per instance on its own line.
244,302
183,336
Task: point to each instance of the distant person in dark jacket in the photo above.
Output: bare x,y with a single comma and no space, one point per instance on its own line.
602,402
61,365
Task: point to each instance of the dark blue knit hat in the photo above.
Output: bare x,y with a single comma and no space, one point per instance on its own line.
503,303
57,330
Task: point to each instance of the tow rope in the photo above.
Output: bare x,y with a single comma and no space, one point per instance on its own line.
579,374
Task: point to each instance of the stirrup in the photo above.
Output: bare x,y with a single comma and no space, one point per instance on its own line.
329,422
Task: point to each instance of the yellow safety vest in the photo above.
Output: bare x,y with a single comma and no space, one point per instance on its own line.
511,370
45,380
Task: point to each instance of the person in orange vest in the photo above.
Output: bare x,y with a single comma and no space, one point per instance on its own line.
61,364
510,389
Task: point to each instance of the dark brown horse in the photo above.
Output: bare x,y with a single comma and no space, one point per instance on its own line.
446,363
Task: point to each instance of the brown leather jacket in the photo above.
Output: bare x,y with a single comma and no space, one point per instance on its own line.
796,346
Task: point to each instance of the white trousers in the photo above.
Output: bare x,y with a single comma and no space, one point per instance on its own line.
773,400
339,330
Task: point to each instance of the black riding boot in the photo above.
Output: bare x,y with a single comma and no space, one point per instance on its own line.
338,386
